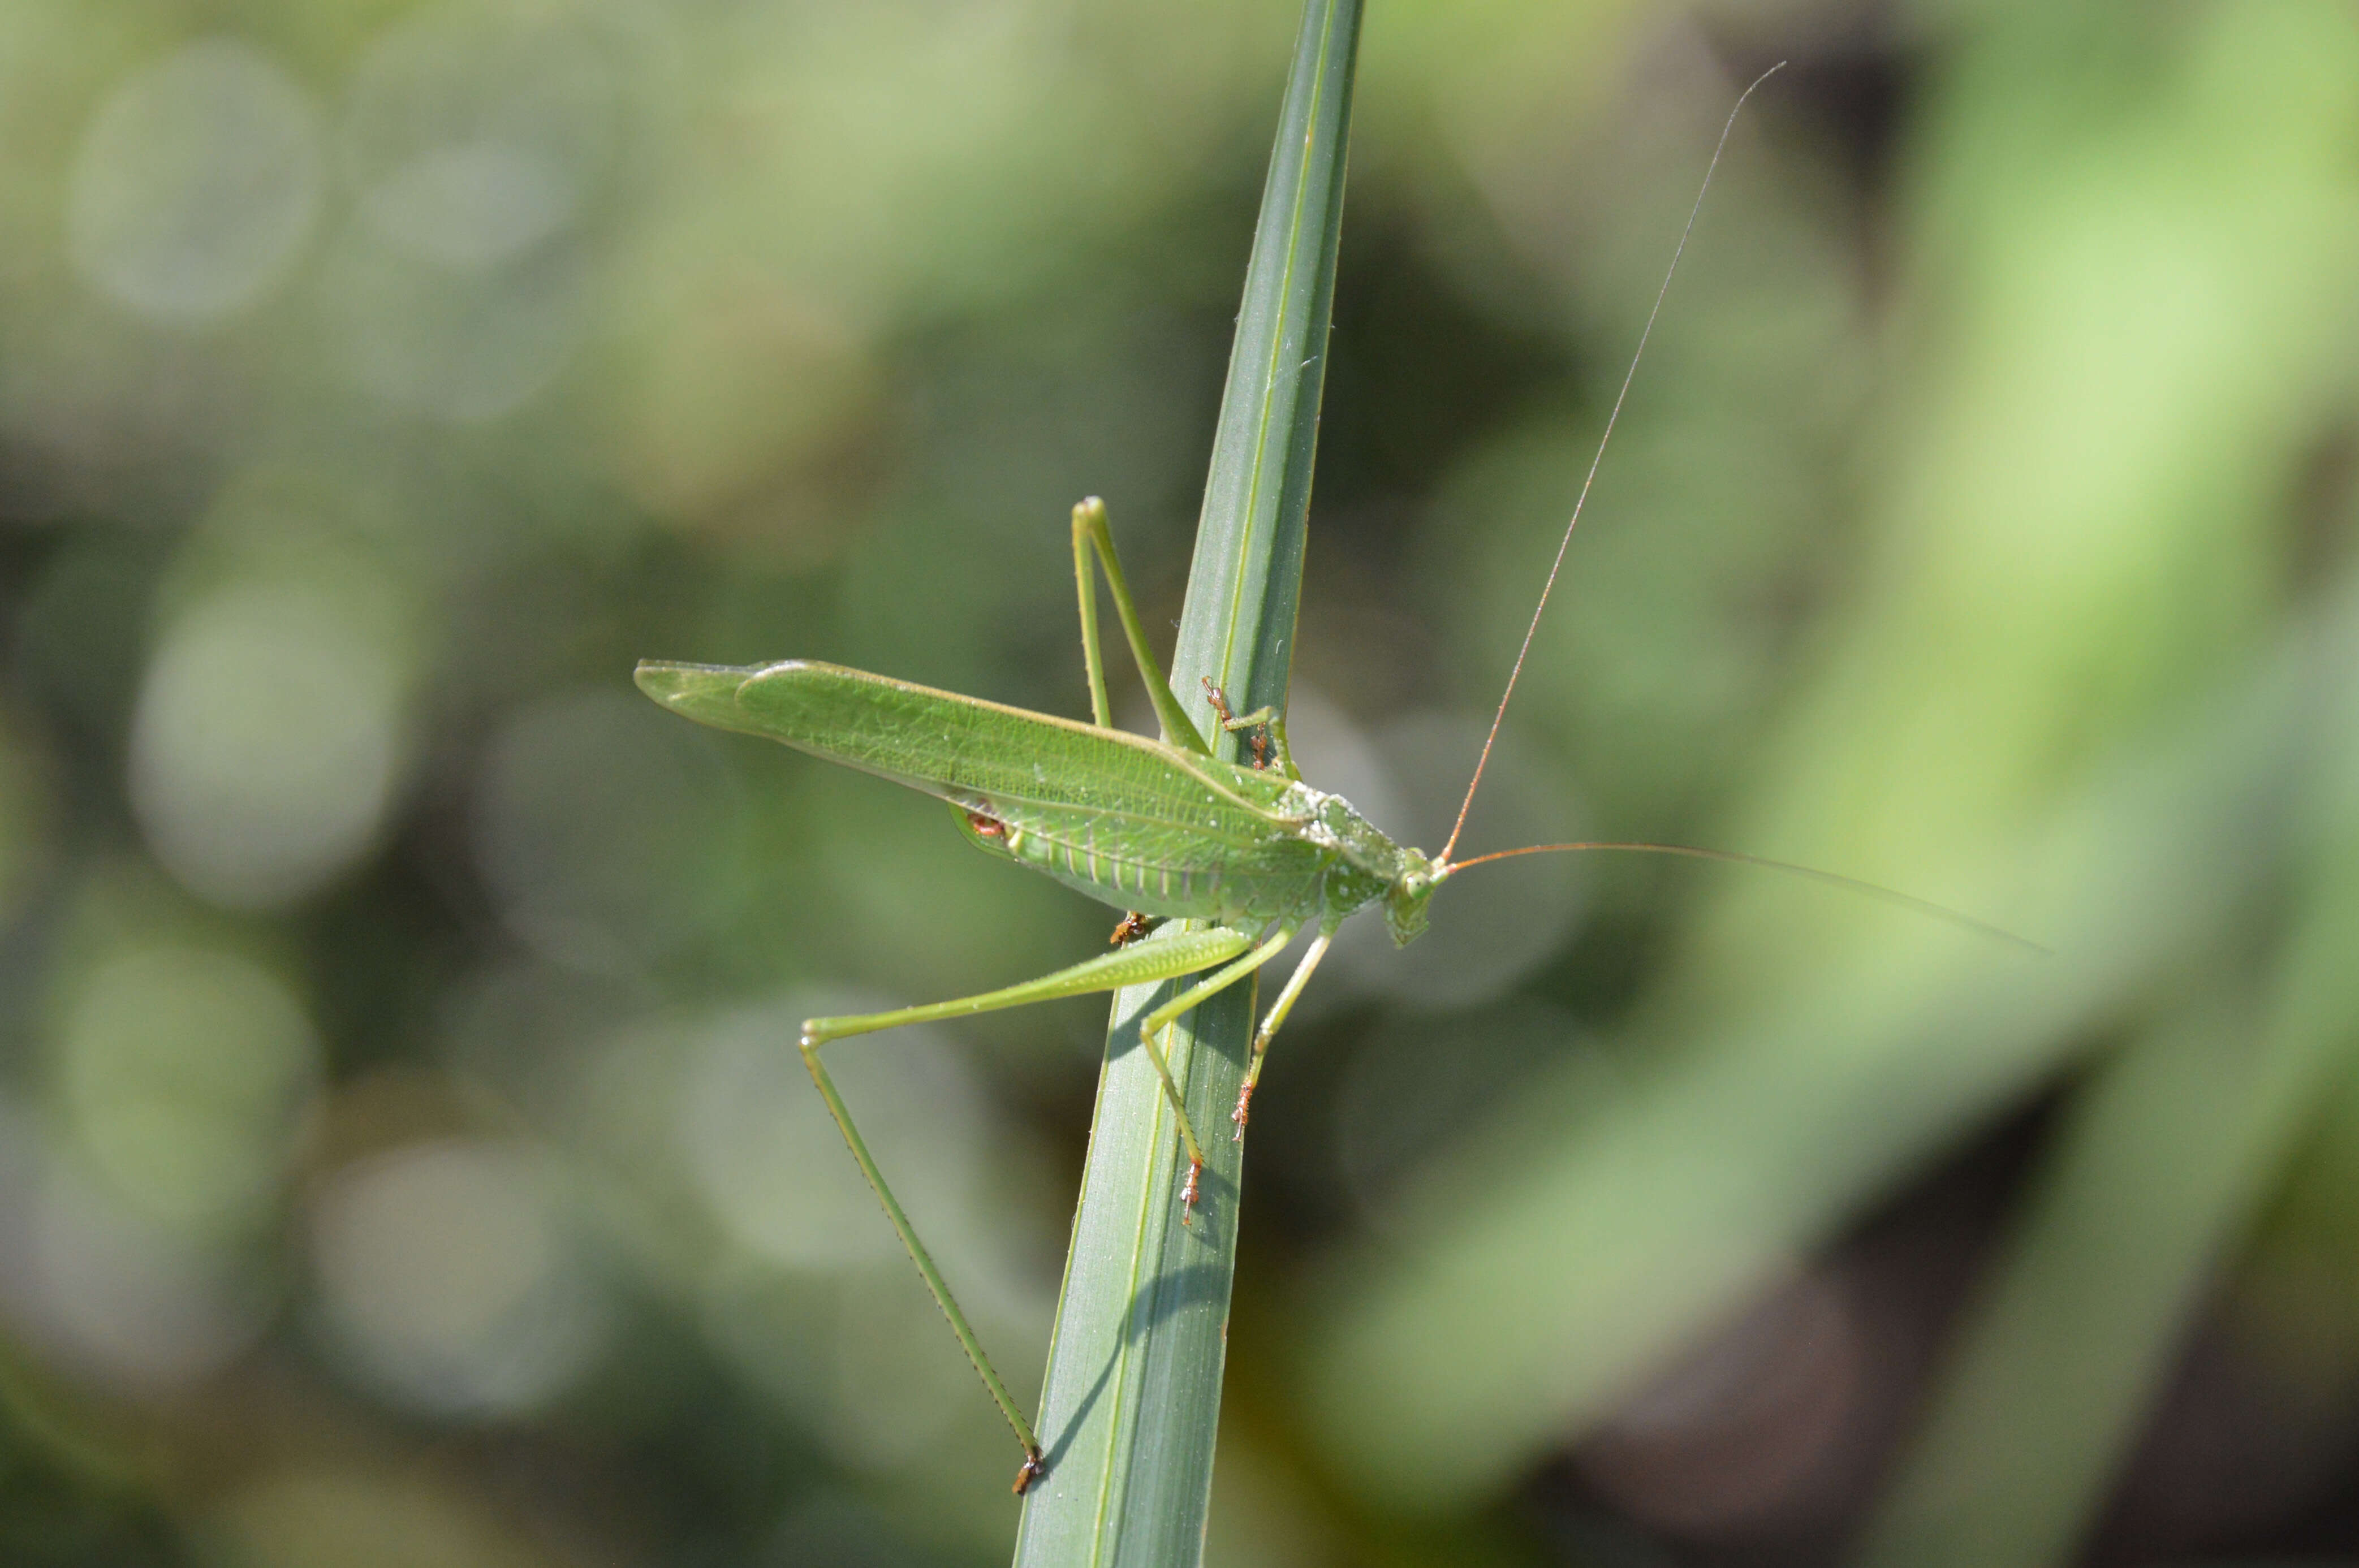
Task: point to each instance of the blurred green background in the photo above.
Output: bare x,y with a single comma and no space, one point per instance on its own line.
403,1158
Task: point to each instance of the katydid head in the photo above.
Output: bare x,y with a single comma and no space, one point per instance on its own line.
1408,894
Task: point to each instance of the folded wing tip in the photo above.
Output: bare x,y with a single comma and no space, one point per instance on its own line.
696,691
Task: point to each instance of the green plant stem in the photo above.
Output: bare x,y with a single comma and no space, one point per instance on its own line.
1131,1402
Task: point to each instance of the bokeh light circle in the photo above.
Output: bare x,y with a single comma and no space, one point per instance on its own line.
267,743
447,1277
197,182
607,831
184,1072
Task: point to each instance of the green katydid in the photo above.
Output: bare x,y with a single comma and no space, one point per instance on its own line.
1239,858
1158,828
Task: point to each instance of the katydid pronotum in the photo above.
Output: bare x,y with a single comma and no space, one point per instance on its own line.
1237,859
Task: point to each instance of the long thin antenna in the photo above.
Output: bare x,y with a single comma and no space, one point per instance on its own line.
1889,895
1583,500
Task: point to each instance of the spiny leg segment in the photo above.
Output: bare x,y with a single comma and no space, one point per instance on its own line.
1034,1464
1165,957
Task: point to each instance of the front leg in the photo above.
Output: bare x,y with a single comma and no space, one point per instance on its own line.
1270,720
1269,1025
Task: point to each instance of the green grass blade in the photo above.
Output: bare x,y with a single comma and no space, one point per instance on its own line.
2156,1179
2165,1156
1132,1400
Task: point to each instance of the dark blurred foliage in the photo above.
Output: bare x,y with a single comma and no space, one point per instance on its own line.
403,1158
